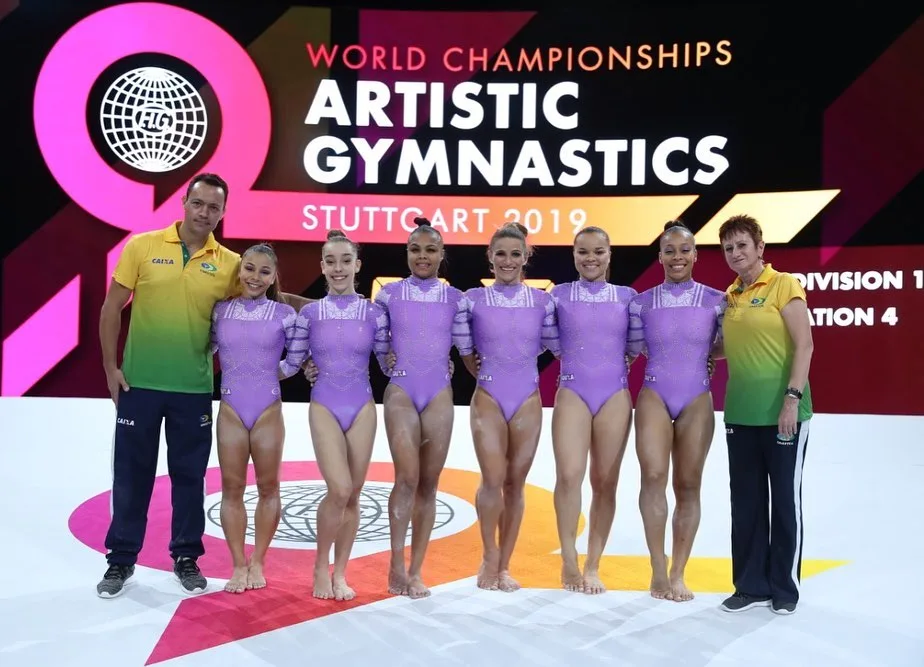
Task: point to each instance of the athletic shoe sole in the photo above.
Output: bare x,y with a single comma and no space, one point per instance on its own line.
106,595
191,593
783,612
758,603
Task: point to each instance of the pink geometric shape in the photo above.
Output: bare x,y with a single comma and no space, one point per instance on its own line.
873,144
215,619
41,341
87,49
7,6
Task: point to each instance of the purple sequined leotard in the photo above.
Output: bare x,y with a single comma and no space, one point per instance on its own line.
593,324
675,325
339,332
510,325
249,336
422,317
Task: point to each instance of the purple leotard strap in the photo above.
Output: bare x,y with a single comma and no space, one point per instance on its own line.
341,333
593,323
422,315
249,336
676,325
510,326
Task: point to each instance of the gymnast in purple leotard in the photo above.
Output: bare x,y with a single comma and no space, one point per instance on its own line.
249,334
511,323
340,333
418,405
593,408
676,325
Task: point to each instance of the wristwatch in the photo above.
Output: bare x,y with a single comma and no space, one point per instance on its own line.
795,393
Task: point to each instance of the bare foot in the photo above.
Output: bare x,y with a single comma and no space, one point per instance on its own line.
323,589
397,578
592,583
507,583
660,587
255,578
341,590
416,588
679,590
571,579
238,581
487,573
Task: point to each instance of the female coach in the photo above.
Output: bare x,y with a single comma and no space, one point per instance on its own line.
768,406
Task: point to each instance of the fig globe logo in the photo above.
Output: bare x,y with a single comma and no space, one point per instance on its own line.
153,119
299,516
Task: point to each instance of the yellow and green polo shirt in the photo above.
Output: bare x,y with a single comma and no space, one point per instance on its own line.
759,350
168,334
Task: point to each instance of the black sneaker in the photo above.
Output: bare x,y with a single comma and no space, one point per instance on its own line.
783,608
189,576
113,582
741,602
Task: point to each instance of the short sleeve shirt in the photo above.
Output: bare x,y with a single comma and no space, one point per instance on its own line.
759,350
173,295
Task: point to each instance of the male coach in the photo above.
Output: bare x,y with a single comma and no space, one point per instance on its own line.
175,276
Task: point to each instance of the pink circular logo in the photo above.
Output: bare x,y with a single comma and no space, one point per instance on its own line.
91,46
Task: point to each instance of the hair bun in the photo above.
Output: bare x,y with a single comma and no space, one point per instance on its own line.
421,222
520,228
336,234
675,223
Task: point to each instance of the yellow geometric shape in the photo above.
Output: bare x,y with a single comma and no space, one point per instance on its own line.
536,565
633,573
539,283
380,281
638,221
781,215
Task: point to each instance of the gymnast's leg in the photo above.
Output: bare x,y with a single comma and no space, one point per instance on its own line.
571,433
266,440
654,437
359,440
523,439
233,456
436,430
608,445
489,433
402,426
330,451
